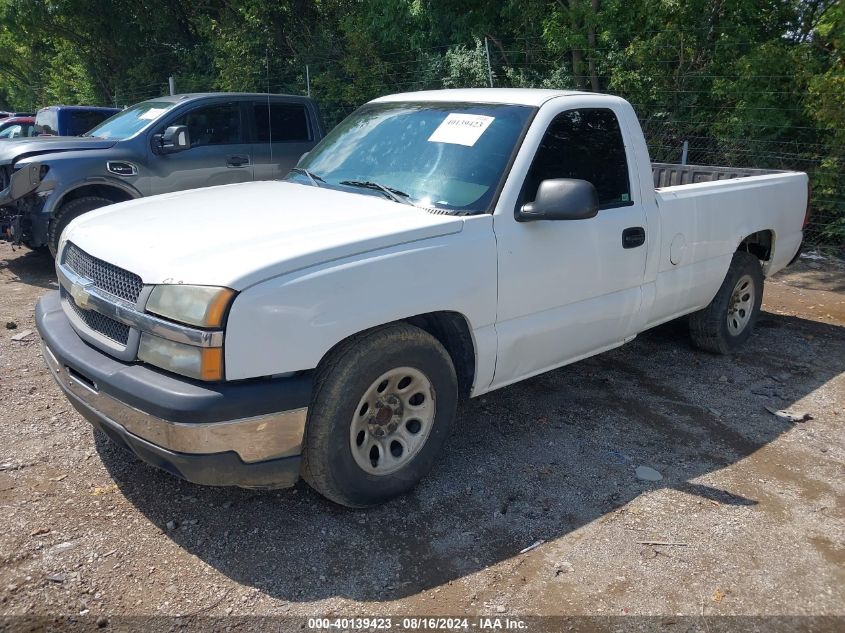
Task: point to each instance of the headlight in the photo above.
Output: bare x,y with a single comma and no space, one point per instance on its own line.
203,306
202,363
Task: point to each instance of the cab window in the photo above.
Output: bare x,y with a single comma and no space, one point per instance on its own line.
585,144
213,125
80,121
47,122
283,122
13,131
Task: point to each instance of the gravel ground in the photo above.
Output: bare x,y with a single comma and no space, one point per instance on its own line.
751,506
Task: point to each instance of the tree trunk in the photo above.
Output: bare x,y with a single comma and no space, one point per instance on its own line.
591,40
577,68
577,53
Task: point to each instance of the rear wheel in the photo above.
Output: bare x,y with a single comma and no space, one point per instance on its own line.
381,411
729,320
68,212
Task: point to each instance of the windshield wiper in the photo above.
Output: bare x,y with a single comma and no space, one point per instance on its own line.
314,178
390,192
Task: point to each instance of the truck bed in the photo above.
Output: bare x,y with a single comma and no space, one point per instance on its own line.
672,175
705,213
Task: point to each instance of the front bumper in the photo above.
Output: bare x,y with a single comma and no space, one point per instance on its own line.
246,434
21,183
20,217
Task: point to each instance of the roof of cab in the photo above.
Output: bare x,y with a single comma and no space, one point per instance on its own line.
191,96
76,107
513,96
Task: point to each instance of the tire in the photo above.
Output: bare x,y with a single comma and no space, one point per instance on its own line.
68,212
347,412
725,324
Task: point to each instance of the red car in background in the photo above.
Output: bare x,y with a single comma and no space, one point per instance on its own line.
17,127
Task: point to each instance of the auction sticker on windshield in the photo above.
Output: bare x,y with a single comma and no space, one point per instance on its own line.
461,129
152,113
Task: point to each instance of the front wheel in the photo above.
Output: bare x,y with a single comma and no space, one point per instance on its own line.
69,212
729,320
381,411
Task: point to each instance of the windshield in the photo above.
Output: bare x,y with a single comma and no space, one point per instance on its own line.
11,131
446,155
124,124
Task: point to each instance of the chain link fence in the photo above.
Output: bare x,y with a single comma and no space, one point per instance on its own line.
810,149
666,143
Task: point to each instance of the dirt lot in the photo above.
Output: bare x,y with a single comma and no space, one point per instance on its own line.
752,506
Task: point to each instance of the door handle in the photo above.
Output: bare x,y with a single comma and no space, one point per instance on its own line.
633,236
237,161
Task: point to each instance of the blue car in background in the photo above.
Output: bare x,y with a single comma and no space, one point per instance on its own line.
62,120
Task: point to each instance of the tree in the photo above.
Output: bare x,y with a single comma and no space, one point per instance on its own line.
745,82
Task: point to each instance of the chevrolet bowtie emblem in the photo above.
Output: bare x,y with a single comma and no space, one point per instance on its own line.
80,294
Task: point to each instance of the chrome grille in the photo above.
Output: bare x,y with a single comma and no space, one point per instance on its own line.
111,329
107,277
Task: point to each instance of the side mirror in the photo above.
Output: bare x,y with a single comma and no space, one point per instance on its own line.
561,199
176,138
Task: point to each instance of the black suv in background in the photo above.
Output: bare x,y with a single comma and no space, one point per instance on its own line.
157,146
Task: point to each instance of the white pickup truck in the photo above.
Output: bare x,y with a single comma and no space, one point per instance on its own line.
434,245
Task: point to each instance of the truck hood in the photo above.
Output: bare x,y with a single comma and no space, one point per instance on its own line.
239,235
15,148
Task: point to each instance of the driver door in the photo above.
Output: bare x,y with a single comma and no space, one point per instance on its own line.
570,288
220,153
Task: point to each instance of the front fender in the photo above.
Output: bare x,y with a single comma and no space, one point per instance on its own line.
66,171
288,323
60,190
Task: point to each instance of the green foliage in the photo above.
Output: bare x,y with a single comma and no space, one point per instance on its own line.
744,82
466,67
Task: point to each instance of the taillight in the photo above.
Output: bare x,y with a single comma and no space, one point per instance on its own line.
807,212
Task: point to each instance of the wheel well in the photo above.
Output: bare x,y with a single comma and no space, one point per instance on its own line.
758,244
452,330
114,194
